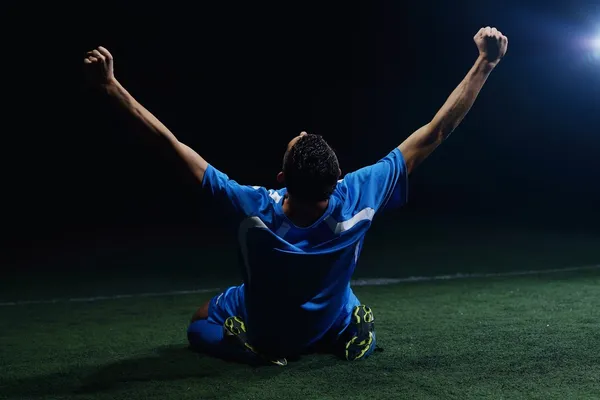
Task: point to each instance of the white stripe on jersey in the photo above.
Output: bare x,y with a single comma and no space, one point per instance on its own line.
362,215
245,226
283,230
274,195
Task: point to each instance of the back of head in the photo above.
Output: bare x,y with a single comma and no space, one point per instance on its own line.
311,169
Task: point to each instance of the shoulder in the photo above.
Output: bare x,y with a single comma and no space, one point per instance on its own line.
373,186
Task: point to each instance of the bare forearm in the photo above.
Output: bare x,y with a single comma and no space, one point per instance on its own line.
127,102
492,45
193,160
461,100
418,146
99,64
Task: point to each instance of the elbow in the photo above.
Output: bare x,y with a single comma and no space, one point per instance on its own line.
442,128
437,133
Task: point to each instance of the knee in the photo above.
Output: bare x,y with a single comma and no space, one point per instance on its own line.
203,334
201,313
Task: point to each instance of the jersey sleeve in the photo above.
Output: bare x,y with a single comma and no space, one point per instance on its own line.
378,186
239,201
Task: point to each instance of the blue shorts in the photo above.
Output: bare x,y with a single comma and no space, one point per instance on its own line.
230,303
207,335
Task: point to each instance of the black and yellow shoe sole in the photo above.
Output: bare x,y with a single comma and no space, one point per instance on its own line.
235,327
360,343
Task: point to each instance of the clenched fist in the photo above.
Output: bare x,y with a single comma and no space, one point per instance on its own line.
99,66
492,44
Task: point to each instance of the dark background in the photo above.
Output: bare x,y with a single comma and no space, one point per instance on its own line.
237,81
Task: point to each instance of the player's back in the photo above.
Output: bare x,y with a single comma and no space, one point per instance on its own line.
297,280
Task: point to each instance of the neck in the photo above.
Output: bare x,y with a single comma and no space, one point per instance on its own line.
302,213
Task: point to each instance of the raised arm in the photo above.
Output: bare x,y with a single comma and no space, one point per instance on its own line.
100,71
417,147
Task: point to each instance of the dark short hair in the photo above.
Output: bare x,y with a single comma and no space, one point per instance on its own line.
311,169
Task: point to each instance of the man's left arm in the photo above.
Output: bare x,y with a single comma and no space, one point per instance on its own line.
100,70
417,147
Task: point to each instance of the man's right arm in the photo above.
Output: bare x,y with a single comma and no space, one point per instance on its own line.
385,184
417,147
99,63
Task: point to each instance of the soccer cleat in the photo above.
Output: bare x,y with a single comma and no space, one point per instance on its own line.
235,327
364,327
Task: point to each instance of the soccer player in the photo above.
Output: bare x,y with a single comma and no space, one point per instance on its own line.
299,245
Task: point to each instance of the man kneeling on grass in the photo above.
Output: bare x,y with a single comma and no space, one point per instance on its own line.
299,245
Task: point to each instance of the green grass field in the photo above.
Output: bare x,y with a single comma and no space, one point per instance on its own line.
528,337
512,337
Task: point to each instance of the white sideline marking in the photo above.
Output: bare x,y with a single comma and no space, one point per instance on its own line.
113,297
391,281
359,282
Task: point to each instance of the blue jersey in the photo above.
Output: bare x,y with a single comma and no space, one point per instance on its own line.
297,279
